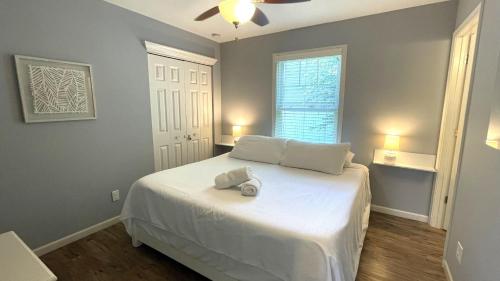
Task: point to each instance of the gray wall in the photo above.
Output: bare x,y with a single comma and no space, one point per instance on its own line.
476,216
56,178
396,73
464,8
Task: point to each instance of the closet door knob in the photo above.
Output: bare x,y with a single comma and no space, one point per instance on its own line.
189,137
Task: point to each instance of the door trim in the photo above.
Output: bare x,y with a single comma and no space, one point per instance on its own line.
440,191
166,51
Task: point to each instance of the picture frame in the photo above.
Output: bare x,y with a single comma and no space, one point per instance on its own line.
493,137
55,90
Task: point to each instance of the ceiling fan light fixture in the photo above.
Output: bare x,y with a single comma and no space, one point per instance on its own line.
237,12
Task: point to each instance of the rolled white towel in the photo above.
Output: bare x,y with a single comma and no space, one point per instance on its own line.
233,178
251,187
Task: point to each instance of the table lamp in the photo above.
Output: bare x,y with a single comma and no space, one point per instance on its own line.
391,146
236,133
493,143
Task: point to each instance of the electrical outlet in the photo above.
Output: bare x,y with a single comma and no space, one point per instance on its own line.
115,195
460,252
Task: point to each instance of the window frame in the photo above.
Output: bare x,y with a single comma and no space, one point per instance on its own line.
310,53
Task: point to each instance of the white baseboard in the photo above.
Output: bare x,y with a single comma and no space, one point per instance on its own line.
447,271
400,213
52,246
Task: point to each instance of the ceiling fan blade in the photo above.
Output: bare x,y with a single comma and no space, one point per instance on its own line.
210,13
283,1
259,17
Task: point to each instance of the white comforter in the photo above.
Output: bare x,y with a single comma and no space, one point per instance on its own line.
303,225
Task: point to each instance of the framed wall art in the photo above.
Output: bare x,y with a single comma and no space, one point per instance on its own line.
493,138
53,90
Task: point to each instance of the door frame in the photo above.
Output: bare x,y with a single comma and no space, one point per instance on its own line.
443,190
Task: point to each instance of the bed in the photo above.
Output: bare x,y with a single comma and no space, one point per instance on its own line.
303,225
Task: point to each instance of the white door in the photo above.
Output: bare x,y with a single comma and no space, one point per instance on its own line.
470,42
206,138
181,111
452,124
167,98
193,112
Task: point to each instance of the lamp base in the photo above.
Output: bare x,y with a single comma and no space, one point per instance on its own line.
390,156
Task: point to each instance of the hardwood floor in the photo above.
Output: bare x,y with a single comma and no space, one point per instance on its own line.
399,249
395,249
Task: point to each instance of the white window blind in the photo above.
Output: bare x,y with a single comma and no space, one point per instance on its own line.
308,96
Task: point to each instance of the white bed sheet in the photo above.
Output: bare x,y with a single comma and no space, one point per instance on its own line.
304,225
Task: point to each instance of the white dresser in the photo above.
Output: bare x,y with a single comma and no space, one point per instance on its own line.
19,263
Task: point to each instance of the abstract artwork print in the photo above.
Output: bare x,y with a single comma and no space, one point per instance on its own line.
58,90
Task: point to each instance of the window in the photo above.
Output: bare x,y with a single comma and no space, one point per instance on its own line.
308,96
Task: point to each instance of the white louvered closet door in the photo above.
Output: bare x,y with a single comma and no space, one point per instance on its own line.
179,107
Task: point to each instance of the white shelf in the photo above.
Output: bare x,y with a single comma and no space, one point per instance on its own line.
226,140
19,263
407,160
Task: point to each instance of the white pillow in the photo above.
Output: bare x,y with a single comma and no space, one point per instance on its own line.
259,148
348,159
326,158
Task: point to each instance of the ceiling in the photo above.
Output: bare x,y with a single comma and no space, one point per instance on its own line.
180,13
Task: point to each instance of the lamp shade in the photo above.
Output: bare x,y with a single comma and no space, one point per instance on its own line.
391,142
236,131
237,11
493,143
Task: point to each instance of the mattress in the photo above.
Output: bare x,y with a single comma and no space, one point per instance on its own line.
303,225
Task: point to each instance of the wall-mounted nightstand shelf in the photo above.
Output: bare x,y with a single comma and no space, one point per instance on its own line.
226,140
225,145
407,160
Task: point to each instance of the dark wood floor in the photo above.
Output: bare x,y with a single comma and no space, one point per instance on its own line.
395,249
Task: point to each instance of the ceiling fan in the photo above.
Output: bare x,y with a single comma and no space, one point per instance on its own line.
238,12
